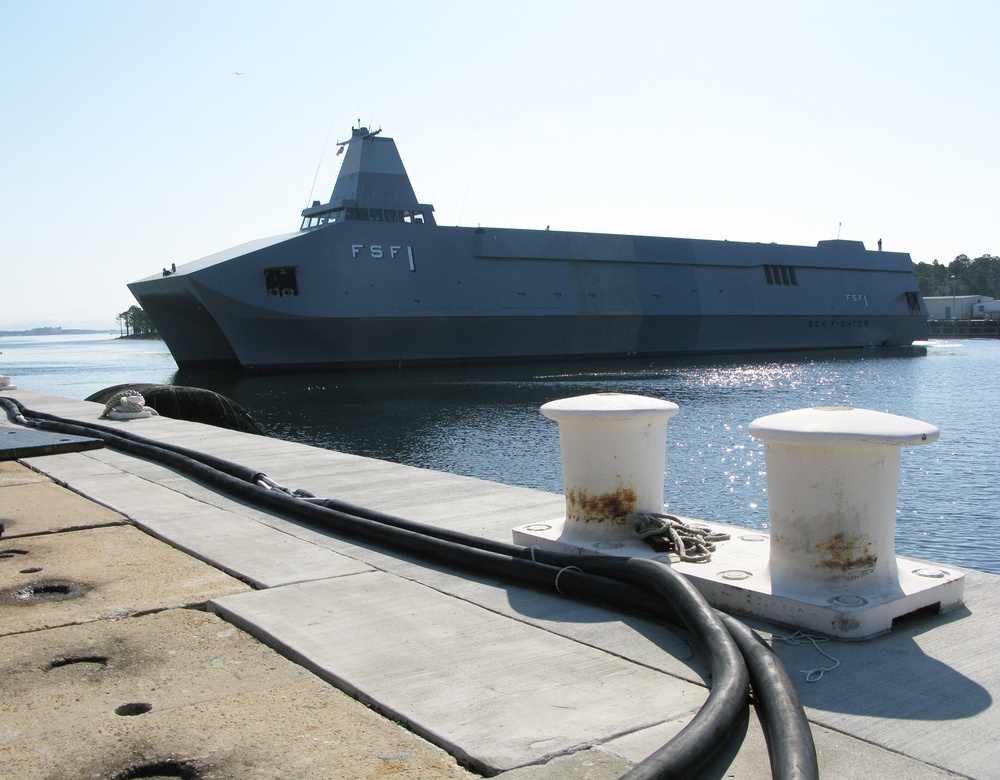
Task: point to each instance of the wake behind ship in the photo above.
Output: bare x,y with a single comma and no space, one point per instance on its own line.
371,279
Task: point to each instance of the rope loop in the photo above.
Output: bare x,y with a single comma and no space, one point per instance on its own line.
800,638
566,568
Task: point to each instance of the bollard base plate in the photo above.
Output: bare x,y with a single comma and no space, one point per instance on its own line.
737,580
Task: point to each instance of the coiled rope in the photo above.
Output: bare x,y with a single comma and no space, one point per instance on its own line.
125,405
668,533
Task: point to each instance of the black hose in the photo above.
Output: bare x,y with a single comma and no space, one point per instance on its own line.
635,585
789,739
117,438
696,744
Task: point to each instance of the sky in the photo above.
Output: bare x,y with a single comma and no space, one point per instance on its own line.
135,134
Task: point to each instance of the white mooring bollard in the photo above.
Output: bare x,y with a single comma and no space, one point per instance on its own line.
613,448
832,486
828,564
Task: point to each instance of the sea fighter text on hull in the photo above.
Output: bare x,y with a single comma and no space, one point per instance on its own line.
371,279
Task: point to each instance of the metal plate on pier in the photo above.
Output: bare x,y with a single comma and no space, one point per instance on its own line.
737,580
17,443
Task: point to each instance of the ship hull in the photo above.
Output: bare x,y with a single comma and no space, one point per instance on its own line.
354,343
356,294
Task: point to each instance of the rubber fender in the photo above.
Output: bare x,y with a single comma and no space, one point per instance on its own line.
193,404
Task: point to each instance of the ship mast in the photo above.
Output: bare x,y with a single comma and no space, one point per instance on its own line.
372,185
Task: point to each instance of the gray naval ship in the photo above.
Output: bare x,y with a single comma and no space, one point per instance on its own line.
371,279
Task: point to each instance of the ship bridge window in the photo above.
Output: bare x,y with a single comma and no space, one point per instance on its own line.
355,214
319,219
281,282
781,275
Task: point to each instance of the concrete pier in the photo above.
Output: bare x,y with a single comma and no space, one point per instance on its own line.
181,629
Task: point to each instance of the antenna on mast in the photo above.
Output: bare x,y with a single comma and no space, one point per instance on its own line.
316,175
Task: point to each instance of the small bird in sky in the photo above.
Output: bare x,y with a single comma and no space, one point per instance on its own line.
237,73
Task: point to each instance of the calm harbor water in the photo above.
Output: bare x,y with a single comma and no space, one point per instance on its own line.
484,421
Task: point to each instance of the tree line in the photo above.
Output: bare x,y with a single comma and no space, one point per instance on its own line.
961,276
135,323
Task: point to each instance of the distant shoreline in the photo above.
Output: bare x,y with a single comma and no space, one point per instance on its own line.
51,331
80,332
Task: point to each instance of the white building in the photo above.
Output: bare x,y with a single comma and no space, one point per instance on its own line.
963,307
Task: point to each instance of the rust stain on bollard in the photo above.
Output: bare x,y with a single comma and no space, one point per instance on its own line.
613,507
847,554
